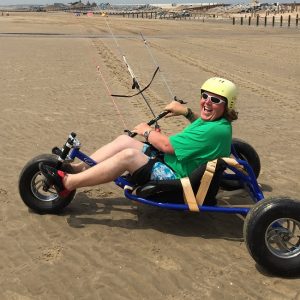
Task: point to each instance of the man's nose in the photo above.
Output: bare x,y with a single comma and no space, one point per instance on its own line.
208,101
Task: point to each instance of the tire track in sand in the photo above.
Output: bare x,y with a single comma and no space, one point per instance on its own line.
239,79
117,71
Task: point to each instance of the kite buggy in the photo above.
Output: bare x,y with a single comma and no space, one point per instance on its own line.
271,227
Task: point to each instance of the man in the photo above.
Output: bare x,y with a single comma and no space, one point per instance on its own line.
206,138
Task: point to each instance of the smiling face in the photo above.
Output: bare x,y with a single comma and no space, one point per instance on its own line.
211,111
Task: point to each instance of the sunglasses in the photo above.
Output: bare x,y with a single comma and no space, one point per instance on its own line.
213,99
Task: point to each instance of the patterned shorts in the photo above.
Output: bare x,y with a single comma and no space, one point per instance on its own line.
159,171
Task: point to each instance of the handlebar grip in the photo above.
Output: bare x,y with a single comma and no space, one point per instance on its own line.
151,122
179,100
130,133
161,115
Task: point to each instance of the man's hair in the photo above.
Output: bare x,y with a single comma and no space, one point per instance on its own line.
230,114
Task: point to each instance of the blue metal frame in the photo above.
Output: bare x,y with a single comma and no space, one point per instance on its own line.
248,181
76,153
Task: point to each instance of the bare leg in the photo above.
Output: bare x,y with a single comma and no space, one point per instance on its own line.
120,143
109,169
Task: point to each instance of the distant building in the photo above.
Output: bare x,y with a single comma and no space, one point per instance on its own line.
57,6
104,6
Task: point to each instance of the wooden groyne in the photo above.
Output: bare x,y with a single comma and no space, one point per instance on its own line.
267,20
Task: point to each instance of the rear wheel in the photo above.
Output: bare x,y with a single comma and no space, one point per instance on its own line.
31,183
245,152
272,235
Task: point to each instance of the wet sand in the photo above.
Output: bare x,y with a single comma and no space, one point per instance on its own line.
103,246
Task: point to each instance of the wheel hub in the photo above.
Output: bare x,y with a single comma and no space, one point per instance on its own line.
41,189
282,237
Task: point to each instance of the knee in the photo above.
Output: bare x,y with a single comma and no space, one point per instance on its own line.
129,154
123,139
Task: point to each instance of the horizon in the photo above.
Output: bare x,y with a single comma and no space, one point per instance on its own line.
124,2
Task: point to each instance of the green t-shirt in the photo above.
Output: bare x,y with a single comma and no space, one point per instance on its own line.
198,143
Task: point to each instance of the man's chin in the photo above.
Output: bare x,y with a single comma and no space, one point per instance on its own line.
206,117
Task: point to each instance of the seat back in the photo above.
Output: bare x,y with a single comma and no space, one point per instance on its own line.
171,191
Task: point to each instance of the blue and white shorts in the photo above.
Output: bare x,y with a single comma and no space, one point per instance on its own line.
159,171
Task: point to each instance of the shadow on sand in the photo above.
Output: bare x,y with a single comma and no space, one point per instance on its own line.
87,210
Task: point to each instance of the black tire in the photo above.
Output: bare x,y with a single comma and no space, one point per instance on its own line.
245,152
272,235
31,187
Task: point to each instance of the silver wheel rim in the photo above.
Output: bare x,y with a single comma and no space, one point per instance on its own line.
36,185
282,237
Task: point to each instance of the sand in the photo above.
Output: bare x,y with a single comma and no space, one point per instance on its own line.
103,246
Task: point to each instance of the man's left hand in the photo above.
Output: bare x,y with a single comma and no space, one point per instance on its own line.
141,128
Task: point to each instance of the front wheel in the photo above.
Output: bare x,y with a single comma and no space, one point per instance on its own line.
31,183
272,235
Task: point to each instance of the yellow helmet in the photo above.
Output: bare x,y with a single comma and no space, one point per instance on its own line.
222,87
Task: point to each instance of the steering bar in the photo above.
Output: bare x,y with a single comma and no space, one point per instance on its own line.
154,120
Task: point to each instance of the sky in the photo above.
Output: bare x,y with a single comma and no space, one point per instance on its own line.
44,2
34,2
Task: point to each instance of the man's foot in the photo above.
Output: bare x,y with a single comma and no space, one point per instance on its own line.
55,178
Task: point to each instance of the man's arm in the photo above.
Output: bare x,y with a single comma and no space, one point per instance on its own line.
160,141
191,116
177,109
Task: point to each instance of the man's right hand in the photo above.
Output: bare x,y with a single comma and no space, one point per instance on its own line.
176,109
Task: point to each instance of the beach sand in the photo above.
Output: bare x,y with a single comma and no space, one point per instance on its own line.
103,246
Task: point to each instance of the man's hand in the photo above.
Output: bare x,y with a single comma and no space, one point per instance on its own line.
141,128
176,109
